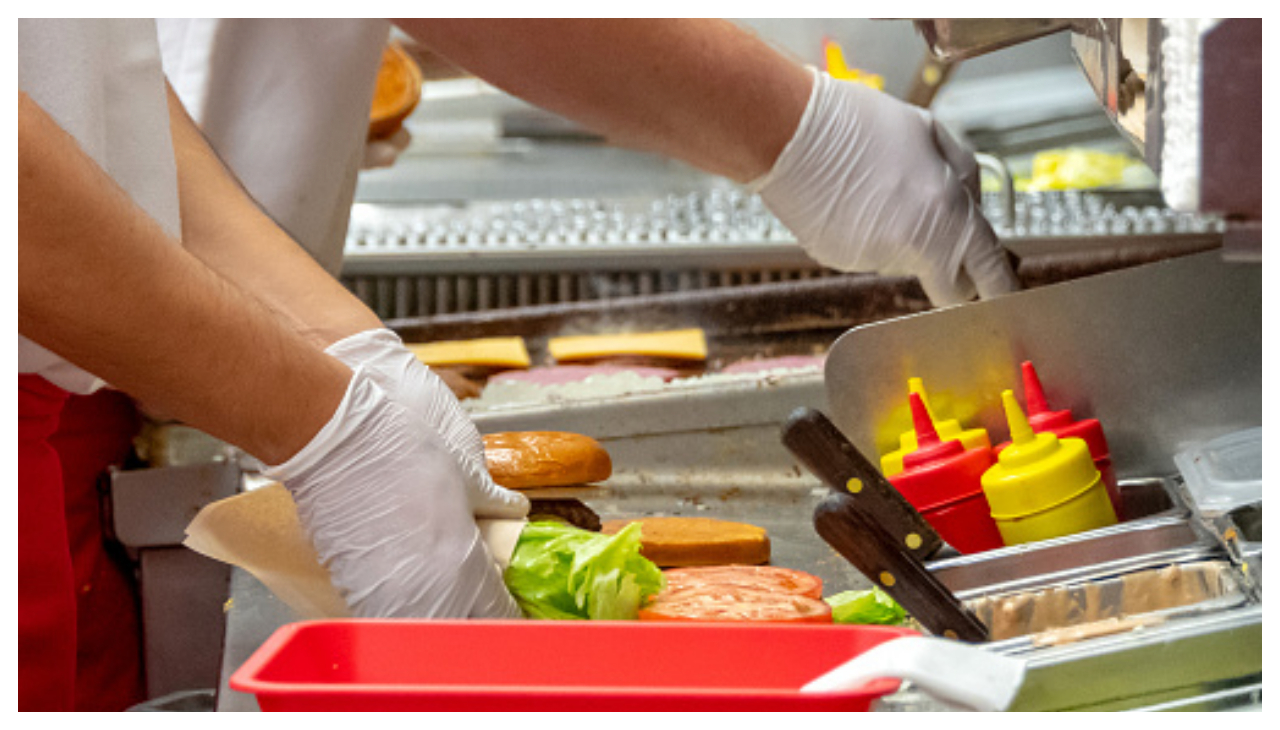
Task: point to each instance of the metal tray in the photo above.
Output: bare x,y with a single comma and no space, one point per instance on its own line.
1198,648
1210,661
1108,601
1159,525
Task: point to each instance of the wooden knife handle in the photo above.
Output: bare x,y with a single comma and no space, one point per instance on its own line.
880,558
823,449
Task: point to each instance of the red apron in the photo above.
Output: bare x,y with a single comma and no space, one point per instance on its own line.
46,597
78,626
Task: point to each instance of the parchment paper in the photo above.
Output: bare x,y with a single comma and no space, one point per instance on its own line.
259,531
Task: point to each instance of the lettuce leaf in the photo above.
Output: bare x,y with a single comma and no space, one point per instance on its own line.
872,606
559,571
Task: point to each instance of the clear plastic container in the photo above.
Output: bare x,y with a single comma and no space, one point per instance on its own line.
1225,472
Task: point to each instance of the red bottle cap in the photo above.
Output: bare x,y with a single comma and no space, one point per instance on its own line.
929,447
938,472
943,480
1060,423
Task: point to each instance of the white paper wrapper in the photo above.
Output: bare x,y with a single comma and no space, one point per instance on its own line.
259,531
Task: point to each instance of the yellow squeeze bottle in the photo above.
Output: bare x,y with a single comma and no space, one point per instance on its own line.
948,430
1042,486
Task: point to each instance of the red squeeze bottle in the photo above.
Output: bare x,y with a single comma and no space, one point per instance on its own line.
943,481
1063,425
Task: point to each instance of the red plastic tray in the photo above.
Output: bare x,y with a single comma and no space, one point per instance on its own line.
407,665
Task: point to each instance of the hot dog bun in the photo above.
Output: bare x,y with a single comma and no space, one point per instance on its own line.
674,542
536,459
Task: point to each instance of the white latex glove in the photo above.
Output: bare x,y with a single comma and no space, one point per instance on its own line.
870,183
408,382
384,152
385,505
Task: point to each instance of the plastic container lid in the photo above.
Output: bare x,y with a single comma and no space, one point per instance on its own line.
1225,472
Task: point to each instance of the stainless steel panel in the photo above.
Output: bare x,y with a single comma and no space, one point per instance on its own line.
1163,354
1163,664
152,507
254,614
954,39
1117,548
184,595
1121,59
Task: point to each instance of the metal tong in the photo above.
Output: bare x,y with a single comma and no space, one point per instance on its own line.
868,522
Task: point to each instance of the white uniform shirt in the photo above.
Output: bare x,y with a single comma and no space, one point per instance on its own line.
285,102
101,81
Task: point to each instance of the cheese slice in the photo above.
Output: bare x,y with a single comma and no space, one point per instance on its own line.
688,344
507,352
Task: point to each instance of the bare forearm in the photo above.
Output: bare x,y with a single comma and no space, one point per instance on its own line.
703,91
224,228
103,286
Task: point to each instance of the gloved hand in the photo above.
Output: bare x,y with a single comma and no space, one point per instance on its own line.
386,506
384,152
412,384
870,183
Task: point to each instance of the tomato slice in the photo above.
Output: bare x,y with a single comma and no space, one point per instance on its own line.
723,602
763,577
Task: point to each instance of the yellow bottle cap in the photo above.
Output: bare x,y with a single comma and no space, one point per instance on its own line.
839,69
1036,471
948,430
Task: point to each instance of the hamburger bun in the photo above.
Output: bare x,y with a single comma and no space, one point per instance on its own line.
540,459
676,542
396,93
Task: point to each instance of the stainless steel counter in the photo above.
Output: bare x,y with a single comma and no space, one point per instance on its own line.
252,615
724,459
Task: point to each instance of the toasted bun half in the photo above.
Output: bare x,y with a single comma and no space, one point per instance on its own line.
674,542
396,93
532,459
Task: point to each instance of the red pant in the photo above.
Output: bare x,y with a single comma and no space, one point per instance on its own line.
79,643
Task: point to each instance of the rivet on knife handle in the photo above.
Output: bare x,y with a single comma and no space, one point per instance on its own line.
878,557
823,449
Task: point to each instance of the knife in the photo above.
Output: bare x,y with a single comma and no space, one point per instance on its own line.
816,442
885,562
